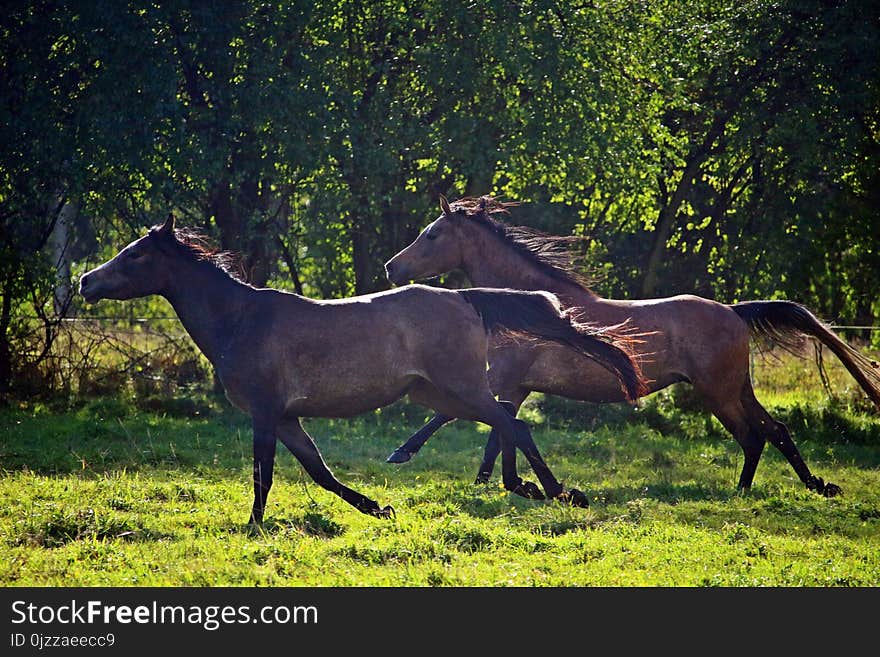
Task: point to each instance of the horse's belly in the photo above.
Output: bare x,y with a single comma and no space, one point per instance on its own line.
563,373
345,401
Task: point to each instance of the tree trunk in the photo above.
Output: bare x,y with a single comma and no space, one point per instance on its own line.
360,254
479,184
668,213
60,244
5,351
662,232
236,235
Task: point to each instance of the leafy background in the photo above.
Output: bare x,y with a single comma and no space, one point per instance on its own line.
728,149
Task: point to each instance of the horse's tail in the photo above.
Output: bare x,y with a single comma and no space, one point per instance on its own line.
786,322
537,315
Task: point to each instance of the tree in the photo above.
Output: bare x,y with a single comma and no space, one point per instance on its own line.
708,147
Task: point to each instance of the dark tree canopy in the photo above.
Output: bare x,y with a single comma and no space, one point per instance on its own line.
728,149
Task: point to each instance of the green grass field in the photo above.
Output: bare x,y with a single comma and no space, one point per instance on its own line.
110,493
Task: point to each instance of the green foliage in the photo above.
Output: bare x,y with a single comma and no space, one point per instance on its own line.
702,146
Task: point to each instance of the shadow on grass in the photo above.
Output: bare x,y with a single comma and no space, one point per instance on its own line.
483,501
829,425
670,493
312,523
57,528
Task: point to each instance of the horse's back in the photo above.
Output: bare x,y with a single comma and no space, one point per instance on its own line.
686,335
354,354
680,314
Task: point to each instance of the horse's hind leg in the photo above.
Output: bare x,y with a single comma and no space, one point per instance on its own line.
552,486
732,415
503,437
499,418
511,404
753,446
304,449
509,475
777,433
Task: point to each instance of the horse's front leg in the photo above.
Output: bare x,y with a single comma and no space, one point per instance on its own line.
406,451
490,454
264,464
304,449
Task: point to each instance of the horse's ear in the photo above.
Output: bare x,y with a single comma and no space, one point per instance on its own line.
444,205
168,226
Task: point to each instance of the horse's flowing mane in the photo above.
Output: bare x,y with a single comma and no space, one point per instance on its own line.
552,254
197,245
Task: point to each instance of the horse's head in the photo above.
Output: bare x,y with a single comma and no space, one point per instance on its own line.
140,269
437,250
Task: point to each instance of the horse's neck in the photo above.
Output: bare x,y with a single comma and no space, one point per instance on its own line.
489,263
209,304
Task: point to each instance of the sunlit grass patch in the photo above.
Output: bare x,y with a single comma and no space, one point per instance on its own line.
111,494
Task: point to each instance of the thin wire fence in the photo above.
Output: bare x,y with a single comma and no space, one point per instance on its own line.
107,355
155,355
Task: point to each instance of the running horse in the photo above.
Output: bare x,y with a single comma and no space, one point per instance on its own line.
684,338
282,357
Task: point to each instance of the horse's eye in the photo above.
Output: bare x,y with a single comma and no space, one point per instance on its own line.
134,255
431,236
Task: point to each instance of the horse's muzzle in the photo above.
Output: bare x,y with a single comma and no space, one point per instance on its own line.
87,289
395,273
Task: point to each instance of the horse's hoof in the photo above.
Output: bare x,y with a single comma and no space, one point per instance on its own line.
528,490
370,508
818,485
574,497
386,512
832,490
482,478
399,456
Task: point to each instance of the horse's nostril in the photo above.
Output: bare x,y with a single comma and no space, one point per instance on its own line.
83,282
389,269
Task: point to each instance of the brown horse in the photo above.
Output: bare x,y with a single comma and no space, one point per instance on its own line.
282,357
685,338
